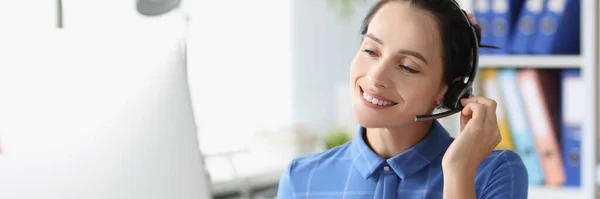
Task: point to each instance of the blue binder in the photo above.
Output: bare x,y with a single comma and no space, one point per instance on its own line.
483,13
519,125
572,109
559,28
504,17
527,27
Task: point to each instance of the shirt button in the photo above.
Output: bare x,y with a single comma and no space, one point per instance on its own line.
386,168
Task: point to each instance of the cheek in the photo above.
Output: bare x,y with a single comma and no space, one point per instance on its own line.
358,67
416,91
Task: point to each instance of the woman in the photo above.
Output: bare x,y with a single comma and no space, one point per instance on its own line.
411,51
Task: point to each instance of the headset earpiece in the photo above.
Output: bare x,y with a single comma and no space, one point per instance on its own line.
456,92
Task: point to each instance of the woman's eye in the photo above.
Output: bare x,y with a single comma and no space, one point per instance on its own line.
409,69
370,52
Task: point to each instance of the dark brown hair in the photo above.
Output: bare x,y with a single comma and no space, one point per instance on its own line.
455,33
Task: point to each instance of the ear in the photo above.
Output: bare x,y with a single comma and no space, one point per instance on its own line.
439,99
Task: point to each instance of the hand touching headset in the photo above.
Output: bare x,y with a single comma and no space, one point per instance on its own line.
479,128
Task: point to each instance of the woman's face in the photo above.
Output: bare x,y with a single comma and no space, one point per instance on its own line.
397,73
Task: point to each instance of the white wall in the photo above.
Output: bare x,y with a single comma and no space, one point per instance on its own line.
21,14
240,70
323,48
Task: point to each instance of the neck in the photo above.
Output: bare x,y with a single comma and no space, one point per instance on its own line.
389,142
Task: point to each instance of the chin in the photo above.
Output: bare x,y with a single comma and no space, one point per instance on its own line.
371,123
369,119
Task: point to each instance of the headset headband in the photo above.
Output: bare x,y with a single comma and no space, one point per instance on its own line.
474,48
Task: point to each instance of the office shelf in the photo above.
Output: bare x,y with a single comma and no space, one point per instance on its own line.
555,193
530,61
587,60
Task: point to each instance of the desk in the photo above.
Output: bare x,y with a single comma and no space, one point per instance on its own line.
260,179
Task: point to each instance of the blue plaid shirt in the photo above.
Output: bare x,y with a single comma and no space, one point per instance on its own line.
353,170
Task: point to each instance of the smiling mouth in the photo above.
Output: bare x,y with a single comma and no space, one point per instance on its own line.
376,101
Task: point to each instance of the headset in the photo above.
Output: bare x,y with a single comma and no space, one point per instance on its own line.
464,88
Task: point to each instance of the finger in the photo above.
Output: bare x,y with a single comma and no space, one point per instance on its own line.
490,104
480,100
465,116
476,111
467,110
465,101
472,18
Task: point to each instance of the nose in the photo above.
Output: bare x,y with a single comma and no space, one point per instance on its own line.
378,75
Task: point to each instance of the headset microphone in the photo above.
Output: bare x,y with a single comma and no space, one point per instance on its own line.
420,118
460,89
455,96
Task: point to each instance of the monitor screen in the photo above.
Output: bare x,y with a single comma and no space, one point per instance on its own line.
96,115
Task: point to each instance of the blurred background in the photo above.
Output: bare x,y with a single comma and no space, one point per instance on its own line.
212,99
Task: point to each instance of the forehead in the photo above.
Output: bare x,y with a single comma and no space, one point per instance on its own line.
403,26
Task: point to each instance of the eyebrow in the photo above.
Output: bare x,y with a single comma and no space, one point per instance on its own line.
402,51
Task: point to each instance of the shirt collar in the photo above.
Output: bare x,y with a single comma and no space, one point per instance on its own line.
406,163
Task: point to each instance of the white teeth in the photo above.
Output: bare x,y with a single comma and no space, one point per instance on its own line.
376,101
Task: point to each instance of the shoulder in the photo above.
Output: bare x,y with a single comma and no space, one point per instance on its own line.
330,158
502,160
326,164
503,175
498,156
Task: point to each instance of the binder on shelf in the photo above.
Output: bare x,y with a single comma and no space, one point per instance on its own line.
519,125
491,89
559,28
526,27
482,11
504,17
540,94
572,111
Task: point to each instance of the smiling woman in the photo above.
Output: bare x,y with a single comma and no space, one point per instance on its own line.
412,54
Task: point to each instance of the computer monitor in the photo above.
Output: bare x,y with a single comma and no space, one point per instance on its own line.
97,114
